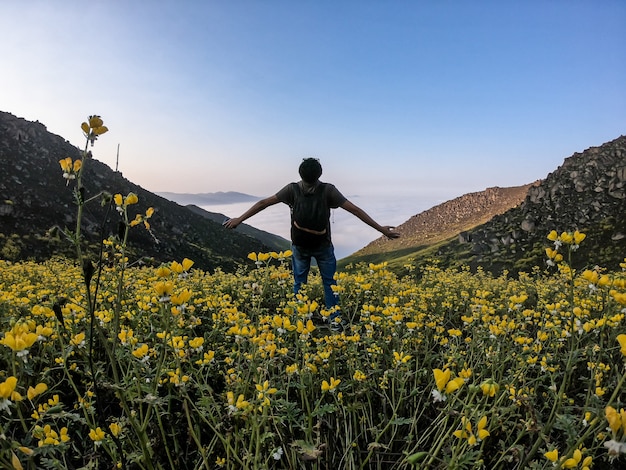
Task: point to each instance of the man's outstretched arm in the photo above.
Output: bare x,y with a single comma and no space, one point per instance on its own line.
255,209
386,230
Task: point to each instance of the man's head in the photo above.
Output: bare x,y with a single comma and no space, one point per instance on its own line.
310,170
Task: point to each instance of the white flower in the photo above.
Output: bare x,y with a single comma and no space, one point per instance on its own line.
615,448
278,453
5,404
437,396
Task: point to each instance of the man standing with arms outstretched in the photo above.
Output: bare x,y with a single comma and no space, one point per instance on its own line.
310,201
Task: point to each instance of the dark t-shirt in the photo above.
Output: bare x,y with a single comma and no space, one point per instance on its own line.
334,198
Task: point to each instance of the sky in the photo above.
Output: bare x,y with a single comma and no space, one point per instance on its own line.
406,103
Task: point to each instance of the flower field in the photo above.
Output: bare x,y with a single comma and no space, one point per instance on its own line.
105,364
442,369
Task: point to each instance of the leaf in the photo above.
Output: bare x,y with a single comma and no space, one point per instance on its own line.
326,409
401,421
307,451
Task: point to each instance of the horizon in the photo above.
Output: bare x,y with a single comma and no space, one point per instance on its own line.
410,100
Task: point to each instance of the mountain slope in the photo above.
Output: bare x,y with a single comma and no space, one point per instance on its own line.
34,198
274,242
586,193
450,218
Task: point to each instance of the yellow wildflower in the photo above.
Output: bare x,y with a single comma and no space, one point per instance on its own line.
115,429
621,339
38,390
552,455
330,386
97,435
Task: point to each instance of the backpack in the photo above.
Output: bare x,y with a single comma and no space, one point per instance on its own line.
309,217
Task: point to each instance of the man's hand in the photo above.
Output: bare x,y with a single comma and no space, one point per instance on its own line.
389,232
232,223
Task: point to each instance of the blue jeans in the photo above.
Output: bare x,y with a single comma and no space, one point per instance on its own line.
327,264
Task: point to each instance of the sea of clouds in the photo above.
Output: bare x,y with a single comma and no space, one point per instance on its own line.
349,234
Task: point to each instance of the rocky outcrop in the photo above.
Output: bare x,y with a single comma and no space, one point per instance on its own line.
451,218
587,193
34,198
505,228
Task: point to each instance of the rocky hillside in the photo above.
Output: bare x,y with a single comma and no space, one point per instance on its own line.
505,229
450,218
586,193
34,198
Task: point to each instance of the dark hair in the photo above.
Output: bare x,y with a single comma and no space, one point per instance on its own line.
310,170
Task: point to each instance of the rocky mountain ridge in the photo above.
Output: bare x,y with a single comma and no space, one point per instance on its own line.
451,217
34,198
586,193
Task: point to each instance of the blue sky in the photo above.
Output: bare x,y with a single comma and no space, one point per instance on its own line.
425,100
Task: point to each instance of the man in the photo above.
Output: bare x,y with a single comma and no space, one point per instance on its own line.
310,201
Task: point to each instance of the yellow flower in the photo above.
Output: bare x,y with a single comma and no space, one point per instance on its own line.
164,289
241,404
19,338
8,387
48,436
95,121
482,432
38,390
401,358
187,264
93,128
454,385
621,339
305,329
66,164
359,376
182,298
264,389
141,352
196,343
489,388
259,258
163,271
115,429
554,255
330,386
97,435
552,236
616,420
131,199
578,237
15,461
466,431
78,339
119,200
442,377
574,460
552,455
